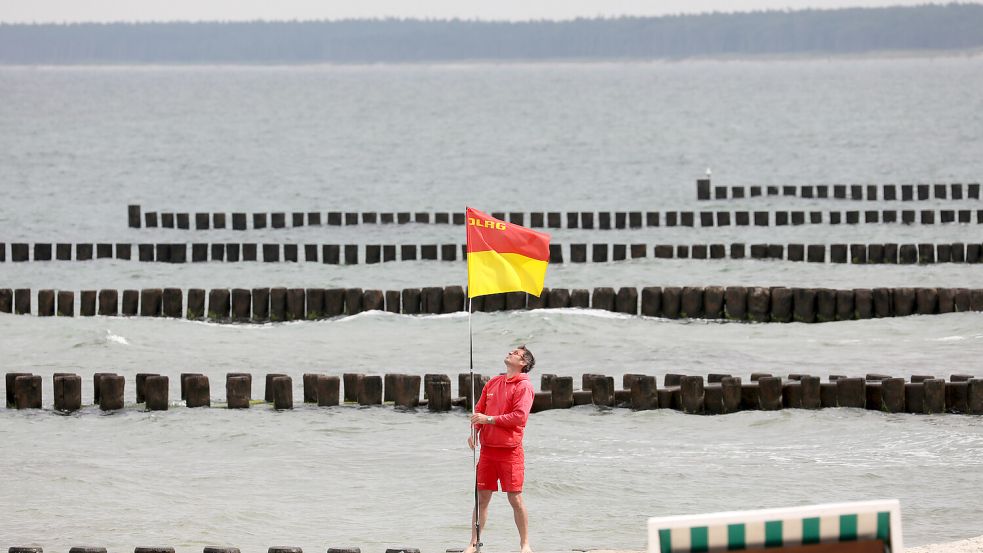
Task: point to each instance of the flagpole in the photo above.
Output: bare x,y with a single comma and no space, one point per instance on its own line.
474,387
474,434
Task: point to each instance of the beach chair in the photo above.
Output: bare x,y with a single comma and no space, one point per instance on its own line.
857,527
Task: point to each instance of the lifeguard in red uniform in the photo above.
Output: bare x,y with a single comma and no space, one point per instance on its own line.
500,420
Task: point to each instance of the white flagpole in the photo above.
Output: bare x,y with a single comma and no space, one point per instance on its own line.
474,435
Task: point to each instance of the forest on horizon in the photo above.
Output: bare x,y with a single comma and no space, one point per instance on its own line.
950,27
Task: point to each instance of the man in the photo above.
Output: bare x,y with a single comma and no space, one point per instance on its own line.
500,421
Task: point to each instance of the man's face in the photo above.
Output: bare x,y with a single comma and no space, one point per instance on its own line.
514,358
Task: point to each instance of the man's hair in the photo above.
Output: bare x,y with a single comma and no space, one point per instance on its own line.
528,358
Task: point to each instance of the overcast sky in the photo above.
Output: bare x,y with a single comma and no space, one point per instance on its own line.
25,11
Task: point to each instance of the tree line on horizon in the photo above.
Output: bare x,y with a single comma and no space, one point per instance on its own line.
840,31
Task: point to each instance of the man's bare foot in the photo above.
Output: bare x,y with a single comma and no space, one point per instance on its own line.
526,548
470,548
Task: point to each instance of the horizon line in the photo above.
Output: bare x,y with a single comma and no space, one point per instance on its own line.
479,19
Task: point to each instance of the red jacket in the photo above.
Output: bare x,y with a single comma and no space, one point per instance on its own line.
509,401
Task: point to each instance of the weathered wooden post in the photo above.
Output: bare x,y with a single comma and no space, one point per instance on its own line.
438,395
156,392
643,393
111,392
68,392
197,391
27,392
370,390
269,391
238,390
283,393
351,381
327,390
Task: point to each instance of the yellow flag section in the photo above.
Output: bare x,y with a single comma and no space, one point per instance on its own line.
503,257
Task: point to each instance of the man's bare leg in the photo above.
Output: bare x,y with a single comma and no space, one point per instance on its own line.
484,498
521,520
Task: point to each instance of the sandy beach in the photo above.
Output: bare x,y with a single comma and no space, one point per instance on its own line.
971,545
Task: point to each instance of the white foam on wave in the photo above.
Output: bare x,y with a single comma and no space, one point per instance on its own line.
950,339
115,338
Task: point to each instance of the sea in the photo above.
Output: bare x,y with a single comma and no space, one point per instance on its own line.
80,144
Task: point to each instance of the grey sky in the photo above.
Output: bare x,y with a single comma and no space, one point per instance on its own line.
24,11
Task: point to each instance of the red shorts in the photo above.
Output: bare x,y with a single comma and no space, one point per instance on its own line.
493,467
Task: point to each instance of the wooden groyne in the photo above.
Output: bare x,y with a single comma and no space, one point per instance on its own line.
867,192
353,254
735,303
716,394
206,549
589,220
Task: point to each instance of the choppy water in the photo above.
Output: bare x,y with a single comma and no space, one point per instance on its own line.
78,144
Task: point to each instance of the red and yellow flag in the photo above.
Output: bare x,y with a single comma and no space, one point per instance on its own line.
503,257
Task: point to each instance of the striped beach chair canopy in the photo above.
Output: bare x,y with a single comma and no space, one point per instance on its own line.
856,527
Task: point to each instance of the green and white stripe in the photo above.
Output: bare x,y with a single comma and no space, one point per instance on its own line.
776,533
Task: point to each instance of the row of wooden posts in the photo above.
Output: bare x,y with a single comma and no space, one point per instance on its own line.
352,254
716,394
207,549
871,192
602,220
739,303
